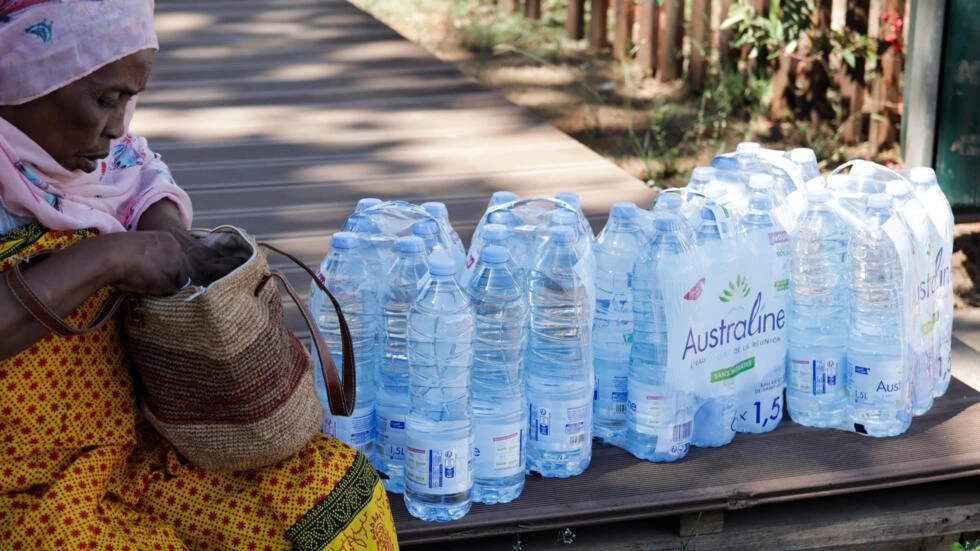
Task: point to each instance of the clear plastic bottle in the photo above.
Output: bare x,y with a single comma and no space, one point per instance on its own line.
878,376
559,378
940,281
366,203
806,159
612,327
924,342
346,275
714,421
659,417
428,231
500,415
439,211
819,271
400,288
500,235
501,197
439,428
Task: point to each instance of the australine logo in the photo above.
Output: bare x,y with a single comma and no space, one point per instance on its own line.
938,279
729,332
736,290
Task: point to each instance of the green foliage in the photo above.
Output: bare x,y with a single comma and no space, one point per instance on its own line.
779,32
482,27
967,546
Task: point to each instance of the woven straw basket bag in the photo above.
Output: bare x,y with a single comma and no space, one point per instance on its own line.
218,372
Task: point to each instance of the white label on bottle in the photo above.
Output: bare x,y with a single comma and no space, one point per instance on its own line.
875,385
652,405
439,467
560,425
613,389
391,437
498,450
674,439
356,430
816,377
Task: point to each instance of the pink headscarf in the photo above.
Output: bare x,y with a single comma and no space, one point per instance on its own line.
46,45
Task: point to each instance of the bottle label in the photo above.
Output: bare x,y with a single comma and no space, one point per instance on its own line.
726,226
439,467
613,389
817,376
391,437
560,425
876,385
356,430
674,439
652,406
499,449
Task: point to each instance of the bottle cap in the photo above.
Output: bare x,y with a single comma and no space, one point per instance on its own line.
425,228
441,265
345,240
501,197
562,234
760,181
816,190
495,233
760,202
703,174
623,210
668,223
366,203
879,200
570,198
563,217
802,155
504,217
724,162
410,244
864,169
436,209
746,147
668,200
494,254
358,223
922,175
898,188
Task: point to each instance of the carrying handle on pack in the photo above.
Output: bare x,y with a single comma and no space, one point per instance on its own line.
878,167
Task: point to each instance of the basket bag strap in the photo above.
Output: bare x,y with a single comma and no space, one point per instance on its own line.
341,392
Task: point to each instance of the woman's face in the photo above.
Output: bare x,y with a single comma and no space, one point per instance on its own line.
74,124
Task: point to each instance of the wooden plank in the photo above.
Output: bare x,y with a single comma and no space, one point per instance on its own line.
599,20
646,55
575,20
671,49
700,523
852,83
700,42
532,9
623,29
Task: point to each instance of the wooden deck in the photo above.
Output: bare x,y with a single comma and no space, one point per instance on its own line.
278,115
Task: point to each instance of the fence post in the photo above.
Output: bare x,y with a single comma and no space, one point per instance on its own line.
852,84
886,102
727,56
532,9
623,40
509,6
646,56
599,10
575,20
700,41
671,59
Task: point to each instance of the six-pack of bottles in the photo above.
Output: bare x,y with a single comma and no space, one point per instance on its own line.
760,288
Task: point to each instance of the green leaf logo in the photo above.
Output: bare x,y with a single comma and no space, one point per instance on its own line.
736,290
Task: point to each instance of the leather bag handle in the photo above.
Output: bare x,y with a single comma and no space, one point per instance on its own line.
341,393
47,317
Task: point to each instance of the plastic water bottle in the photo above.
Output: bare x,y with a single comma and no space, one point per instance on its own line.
573,201
816,393
767,243
924,342
441,213
612,327
400,288
940,283
714,422
501,197
806,159
367,203
500,417
428,231
346,275
439,429
659,417
500,235
559,362
878,377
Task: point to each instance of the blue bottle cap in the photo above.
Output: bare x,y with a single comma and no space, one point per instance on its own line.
345,240
501,197
623,210
760,202
707,214
366,203
724,162
747,147
441,265
501,217
669,201
668,223
358,223
410,244
562,234
425,228
703,174
570,198
494,254
495,233
563,217
436,209
922,175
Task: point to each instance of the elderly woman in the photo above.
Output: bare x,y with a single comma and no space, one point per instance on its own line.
79,467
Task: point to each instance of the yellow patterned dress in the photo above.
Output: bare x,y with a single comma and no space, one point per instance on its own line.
81,469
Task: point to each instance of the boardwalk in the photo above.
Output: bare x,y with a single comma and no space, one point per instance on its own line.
278,115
